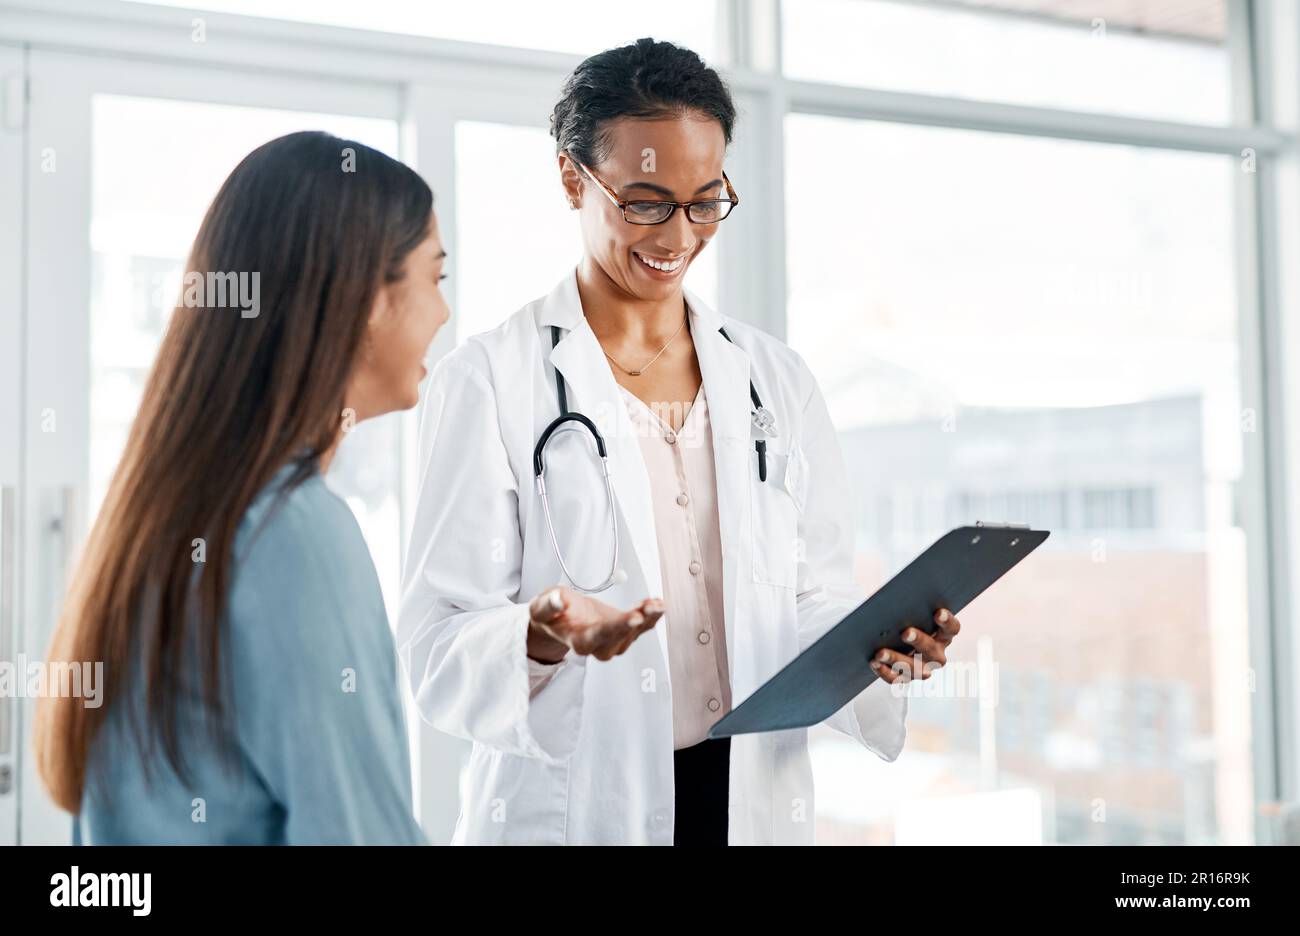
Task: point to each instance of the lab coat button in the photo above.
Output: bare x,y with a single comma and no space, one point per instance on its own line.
704,637
714,705
683,499
695,568
670,438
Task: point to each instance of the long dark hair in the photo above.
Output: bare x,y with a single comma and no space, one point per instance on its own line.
234,395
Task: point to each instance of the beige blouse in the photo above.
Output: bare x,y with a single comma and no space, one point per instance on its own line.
683,491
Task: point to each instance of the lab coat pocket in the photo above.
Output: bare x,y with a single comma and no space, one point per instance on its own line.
775,505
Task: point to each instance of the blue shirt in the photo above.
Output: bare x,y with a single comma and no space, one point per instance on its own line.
319,749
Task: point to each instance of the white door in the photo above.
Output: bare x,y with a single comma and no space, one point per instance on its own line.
123,159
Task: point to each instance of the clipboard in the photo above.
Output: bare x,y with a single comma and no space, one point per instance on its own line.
954,571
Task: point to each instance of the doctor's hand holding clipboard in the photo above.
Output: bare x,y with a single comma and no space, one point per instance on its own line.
929,651
632,512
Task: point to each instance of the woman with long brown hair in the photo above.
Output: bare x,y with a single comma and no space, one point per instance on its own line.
251,690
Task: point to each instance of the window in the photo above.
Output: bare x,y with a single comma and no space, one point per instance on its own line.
1007,326
1146,58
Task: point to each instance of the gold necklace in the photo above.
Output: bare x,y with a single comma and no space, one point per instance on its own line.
641,369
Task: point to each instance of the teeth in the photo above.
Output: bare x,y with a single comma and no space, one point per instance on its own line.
666,266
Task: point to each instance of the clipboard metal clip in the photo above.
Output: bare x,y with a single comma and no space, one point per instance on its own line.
1001,526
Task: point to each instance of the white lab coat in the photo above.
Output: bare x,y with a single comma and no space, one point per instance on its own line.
589,759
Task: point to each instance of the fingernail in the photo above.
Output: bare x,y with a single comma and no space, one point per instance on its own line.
943,616
556,602
884,657
909,635
636,620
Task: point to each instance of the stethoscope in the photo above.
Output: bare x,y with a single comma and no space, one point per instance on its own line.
761,417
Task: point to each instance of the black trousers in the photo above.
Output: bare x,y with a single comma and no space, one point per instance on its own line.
701,773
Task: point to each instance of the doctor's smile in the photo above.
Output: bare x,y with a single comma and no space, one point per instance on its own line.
667,267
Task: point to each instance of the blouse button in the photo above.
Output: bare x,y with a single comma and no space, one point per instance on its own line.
670,438
704,637
695,568
683,499
714,705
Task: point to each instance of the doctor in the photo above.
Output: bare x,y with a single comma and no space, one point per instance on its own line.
719,544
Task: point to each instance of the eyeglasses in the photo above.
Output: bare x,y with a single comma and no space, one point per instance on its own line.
705,211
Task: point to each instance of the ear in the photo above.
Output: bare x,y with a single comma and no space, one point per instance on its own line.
380,308
571,179
380,314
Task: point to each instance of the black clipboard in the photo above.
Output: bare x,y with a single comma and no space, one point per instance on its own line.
955,570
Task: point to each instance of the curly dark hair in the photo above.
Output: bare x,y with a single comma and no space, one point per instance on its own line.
646,79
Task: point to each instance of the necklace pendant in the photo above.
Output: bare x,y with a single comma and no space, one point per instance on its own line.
634,373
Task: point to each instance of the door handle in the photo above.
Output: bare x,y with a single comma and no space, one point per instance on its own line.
64,525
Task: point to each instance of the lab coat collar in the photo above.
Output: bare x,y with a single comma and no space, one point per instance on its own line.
725,369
